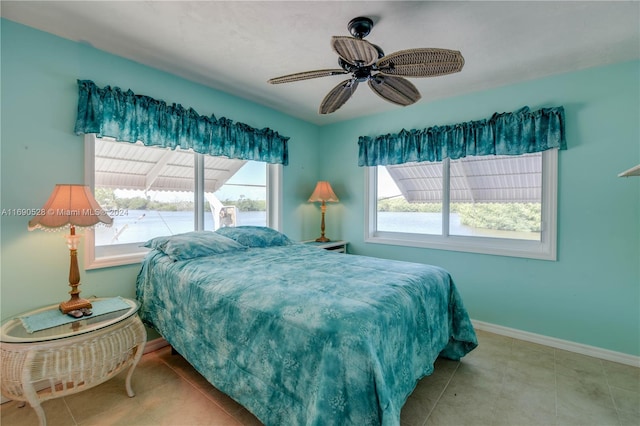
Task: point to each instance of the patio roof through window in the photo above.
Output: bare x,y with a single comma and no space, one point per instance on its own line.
124,165
498,179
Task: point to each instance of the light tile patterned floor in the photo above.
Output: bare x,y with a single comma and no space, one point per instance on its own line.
503,382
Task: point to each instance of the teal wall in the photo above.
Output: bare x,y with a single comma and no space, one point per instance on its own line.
39,149
590,295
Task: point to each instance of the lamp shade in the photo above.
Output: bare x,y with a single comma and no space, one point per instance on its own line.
323,192
70,205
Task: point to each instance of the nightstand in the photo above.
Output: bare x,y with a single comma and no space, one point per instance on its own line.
337,246
72,357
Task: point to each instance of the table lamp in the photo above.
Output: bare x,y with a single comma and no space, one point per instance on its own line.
71,205
323,193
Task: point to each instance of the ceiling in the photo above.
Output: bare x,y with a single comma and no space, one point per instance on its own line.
236,46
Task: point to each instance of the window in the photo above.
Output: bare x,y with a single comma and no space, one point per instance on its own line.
153,191
501,205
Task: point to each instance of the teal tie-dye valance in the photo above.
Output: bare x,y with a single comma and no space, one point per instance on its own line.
512,133
128,117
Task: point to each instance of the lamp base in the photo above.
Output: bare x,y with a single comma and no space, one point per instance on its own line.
322,239
73,304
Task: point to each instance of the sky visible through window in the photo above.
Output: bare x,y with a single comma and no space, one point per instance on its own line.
386,186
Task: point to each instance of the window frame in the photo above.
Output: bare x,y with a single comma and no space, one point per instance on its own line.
545,249
274,207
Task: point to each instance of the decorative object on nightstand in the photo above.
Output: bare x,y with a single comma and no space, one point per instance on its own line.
323,193
46,354
71,205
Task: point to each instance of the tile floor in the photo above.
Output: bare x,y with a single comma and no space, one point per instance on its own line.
503,382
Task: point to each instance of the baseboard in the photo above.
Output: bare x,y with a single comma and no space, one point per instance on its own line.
154,345
566,345
634,361
593,351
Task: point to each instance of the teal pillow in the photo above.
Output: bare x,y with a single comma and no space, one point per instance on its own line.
255,236
191,245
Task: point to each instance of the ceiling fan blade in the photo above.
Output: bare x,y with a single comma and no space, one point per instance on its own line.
306,75
427,62
338,96
397,90
355,51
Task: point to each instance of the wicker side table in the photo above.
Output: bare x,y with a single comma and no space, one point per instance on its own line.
70,358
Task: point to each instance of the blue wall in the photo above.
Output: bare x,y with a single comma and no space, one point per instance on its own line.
590,295
39,149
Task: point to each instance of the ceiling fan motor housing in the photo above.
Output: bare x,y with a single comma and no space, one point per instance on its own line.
362,74
360,27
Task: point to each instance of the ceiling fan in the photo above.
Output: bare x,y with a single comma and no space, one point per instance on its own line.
384,74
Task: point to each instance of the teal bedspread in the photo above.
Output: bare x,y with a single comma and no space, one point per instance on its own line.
303,336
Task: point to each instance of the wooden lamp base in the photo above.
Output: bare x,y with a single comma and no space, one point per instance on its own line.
76,302
322,238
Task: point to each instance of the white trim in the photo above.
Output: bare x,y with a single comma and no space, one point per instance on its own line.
481,245
545,249
549,234
154,345
198,191
108,261
132,253
552,342
274,200
622,358
446,199
370,194
605,354
90,180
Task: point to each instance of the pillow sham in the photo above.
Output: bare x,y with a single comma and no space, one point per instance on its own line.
255,236
190,245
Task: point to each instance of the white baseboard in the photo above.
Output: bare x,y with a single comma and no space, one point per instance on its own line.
154,345
566,345
634,361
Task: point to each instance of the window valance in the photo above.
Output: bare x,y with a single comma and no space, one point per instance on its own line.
512,133
128,117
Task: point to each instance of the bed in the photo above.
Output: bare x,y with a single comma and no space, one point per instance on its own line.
300,335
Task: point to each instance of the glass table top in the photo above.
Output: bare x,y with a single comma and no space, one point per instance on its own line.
13,330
